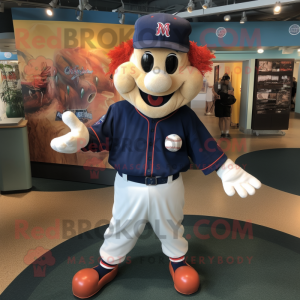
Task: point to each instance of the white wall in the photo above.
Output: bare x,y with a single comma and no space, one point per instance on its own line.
210,77
247,97
199,101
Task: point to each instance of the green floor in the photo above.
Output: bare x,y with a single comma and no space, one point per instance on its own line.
277,168
272,274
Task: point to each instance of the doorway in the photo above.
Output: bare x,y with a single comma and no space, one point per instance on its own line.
234,70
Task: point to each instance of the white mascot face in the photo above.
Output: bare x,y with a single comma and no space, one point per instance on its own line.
157,81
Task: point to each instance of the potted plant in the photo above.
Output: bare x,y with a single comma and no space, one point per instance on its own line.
11,96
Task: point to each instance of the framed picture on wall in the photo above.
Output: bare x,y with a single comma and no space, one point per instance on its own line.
216,74
286,66
286,80
265,66
275,66
283,98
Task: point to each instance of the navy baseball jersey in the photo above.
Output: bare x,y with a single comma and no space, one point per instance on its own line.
136,143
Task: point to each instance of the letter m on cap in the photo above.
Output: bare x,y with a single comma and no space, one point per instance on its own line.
163,29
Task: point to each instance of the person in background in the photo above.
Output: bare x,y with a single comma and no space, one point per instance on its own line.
229,82
209,101
294,91
222,111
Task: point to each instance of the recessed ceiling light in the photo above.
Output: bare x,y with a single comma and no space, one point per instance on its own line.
227,18
260,50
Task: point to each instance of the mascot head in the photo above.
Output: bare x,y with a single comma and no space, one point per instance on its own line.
159,70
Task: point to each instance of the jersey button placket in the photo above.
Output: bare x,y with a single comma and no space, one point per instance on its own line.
150,147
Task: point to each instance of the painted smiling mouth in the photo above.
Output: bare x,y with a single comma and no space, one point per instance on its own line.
155,100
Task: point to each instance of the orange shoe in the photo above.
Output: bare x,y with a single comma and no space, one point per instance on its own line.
186,279
86,282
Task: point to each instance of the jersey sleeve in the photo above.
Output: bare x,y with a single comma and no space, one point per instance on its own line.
101,133
202,147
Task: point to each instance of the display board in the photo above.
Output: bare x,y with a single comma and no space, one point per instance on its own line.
272,94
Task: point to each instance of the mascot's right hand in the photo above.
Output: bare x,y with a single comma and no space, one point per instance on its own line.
73,141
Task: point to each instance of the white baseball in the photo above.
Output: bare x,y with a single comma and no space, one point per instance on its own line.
173,142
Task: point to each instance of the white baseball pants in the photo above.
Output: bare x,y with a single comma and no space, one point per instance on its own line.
136,204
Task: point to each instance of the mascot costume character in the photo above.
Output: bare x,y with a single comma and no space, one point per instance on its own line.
152,134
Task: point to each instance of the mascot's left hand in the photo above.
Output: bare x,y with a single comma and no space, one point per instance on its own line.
234,178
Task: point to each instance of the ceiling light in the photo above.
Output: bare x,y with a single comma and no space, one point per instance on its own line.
87,5
277,8
53,3
227,18
244,18
49,11
260,50
190,6
299,50
122,19
206,4
84,4
80,16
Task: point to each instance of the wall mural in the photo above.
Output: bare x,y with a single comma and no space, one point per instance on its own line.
61,69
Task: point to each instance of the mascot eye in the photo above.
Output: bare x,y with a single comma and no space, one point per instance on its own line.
171,63
147,61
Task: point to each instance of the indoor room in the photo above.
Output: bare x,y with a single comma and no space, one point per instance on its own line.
149,149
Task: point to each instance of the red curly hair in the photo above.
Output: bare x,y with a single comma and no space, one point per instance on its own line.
199,57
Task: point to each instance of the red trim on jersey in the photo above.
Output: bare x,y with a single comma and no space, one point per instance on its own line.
146,163
213,162
154,138
97,138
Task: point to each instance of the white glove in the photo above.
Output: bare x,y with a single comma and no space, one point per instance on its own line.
73,141
234,178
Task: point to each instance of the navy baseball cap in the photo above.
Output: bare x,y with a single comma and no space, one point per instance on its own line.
162,31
